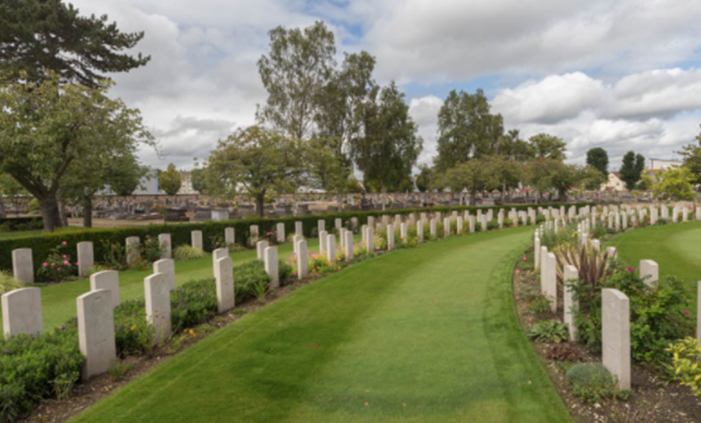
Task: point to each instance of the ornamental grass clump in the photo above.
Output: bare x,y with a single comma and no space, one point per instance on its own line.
188,252
8,282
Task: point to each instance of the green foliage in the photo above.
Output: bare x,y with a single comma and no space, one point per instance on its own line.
21,223
169,180
193,303
58,266
539,305
686,366
674,184
39,367
550,331
119,370
250,281
188,252
133,335
692,159
658,315
631,169
8,282
598,158
592,383
424,180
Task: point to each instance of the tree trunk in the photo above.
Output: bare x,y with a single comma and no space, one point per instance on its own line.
384,197
87,213
3,212
260,204
50,212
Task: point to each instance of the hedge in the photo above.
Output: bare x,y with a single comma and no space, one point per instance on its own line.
10,224
41,245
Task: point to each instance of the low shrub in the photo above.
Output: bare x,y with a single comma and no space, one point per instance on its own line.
8,282
193,303
249,280
562,352
550,331
592,383
686,363
539,305
58,266
187,252
132,332
33,368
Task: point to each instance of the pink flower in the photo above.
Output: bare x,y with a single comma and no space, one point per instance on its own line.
46,264
59,269
148,240
64,243
631,269
65,256
53,264
518,272
65,261
77,263
525,259
686,312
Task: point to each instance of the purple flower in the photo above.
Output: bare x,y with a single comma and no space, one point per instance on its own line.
631,269
7,351
63,327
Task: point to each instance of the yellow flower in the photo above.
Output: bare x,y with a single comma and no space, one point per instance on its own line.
133,328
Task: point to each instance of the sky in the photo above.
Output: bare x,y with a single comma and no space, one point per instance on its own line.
619,74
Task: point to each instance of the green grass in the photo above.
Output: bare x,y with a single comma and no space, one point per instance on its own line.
58,300
675,247
421,335
17,235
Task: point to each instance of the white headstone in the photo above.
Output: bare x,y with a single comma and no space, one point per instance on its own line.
446,227
107,280
21,312
323,242
260,249
299,228
271,267
86,258
348,246
420,231
224,277
166,248
23,265
196,238
550,285
321,226
96,332
390,237
217,254
229,236
570,304
615,322
255,233
281,233
370,240
133,253
649,272
331,248
434,231
157,296
295,240
166,267
302,259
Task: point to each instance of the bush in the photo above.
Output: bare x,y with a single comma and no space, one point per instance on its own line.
591,382
250,278
58,266
562,352
33,368
550,331
193,303
686,364
8,282
16,224
539,305
133,334
187,252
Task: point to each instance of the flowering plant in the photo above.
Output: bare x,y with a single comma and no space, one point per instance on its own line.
58,266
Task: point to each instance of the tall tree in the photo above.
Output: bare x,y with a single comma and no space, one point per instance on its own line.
692,159
256,161
632,168
546,146
424,180
169,180
466,129
41,36
591,178
598,158
390,146
43,132
674,184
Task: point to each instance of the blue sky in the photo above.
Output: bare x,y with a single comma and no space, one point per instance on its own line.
618,74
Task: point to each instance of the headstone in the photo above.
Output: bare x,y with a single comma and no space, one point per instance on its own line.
370,240
390,237
196,238
471,221
260,249
96,332
86,258
570,304
295,240
224,277
23,265
321,226
649,272
302,259
338,223
596,244
255,233
420,231
133,253
615,323
157,296
280,236
323,241
166,267
229,236
166,247
446,227
434,231
550,283
271,267
611,252
21,312
348,246
459,225
299,228
107,280
217,254
331,248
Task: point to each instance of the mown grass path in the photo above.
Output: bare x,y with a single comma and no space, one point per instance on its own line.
420,335
675,247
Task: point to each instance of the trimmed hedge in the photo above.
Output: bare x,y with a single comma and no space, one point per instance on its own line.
180,232
11,224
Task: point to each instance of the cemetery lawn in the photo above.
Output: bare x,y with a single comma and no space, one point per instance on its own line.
427,334
59,300
675,247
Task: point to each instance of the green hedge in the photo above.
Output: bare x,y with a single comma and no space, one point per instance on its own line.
10,224
180,232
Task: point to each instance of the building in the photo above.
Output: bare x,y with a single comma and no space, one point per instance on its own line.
615,182
658,164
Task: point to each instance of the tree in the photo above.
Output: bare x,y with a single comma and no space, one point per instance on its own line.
674,184
591,178
45,127
466,129
692,159
598,158
545,174
170,180
631,169
546,146
424,180
8,188
474,175
256,161
198,176
390,146
42,36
